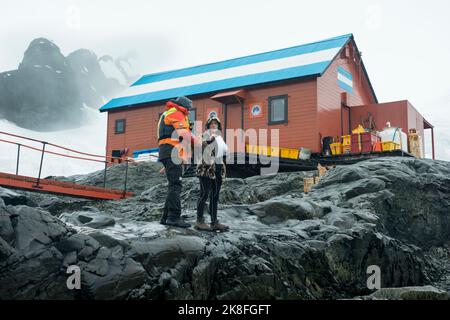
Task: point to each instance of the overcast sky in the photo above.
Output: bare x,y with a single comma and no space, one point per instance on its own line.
404,44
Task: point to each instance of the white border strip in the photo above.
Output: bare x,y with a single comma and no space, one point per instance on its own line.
254,68
344,79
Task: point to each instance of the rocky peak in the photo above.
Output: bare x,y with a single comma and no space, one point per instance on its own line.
42,53
50,91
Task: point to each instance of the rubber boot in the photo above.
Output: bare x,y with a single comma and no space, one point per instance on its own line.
177,222
164,217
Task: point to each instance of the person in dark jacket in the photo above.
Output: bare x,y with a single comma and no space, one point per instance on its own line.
174,128
211,172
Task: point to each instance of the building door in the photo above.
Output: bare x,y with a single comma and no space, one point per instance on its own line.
345,120
234,121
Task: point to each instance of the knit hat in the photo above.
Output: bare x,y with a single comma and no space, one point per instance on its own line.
183,102
208,122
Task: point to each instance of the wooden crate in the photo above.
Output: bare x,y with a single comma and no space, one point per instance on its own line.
346,140
415,145
390,146
336,148
307,184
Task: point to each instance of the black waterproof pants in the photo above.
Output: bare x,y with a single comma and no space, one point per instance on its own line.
209,188
174,172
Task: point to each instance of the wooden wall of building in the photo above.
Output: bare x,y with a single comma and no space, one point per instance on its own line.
332,119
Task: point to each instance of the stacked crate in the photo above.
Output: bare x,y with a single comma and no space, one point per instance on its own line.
347,144
364,142
415,144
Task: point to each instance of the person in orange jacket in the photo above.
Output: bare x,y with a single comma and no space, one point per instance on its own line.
175,139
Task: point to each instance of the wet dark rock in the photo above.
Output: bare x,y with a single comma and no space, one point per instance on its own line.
106,240
15,198
76,242
364,186
36,249
280,209
58,204
113,278
283,244
93,219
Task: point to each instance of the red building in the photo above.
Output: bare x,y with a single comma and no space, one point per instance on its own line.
307,92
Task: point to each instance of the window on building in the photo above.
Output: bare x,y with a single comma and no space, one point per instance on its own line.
278,109
120,126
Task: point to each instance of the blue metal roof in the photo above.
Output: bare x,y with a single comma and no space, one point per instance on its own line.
300,61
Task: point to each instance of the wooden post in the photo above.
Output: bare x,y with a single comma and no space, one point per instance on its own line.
432,142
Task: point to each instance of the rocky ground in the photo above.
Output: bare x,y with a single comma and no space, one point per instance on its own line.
284,244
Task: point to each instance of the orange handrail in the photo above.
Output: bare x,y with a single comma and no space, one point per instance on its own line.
51,152
107,159
61,147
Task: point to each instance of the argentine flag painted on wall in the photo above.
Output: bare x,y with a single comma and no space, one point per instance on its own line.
345,79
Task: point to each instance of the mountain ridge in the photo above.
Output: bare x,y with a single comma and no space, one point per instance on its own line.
49,91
